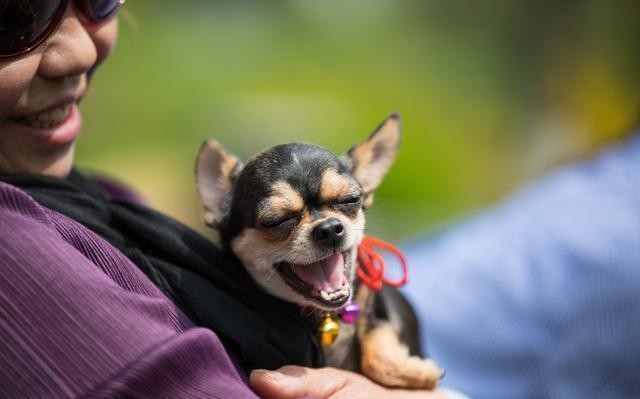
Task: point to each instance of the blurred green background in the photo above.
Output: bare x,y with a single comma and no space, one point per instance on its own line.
491,92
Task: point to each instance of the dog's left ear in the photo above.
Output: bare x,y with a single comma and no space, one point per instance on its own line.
216,173
370,161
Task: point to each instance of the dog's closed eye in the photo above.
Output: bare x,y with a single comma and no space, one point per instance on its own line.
352,200
349,205
278,221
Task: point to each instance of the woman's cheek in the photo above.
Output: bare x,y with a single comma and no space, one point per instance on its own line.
104,38
15,77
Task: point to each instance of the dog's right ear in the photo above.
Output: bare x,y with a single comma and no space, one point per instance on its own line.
370,161
216,173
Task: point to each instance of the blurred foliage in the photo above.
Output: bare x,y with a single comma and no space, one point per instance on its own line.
491,93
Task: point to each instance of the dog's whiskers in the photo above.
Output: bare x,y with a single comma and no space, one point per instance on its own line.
270,275
307,310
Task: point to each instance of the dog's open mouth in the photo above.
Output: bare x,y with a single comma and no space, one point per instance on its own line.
324,281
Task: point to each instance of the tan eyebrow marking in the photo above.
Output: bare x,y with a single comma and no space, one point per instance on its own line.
284,199
334,186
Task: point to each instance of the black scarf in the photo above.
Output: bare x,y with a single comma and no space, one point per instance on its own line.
210,286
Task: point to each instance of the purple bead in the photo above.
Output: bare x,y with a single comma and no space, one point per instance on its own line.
350,313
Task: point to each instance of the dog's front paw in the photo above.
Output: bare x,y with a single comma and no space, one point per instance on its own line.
386,360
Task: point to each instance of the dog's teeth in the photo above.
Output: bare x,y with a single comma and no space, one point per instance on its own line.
329,296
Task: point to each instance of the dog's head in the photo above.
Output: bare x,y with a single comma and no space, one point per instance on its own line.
294,213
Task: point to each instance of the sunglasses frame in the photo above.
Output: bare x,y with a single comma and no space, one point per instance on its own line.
84,8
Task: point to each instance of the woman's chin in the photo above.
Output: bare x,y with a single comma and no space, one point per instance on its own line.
47,150
61,166
56,162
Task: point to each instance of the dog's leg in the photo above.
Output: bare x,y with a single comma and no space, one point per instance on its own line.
385,359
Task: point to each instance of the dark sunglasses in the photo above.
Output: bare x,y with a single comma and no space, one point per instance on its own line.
24,24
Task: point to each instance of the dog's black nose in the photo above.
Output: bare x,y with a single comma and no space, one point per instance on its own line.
328,233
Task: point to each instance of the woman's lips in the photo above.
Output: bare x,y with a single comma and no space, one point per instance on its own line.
55,126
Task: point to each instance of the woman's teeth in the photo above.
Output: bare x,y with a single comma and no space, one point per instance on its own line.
47,119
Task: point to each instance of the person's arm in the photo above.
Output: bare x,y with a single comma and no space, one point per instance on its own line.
539,296
68,329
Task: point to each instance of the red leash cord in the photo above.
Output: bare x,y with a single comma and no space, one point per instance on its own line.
371,266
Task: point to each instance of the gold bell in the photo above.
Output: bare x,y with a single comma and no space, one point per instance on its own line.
328,330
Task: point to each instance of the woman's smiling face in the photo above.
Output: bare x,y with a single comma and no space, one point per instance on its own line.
39,95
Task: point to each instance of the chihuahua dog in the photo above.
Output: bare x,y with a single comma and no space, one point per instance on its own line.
294,216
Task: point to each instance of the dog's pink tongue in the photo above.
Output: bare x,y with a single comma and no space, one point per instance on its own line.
326,274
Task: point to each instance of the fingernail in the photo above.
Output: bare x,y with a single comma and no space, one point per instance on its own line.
270,374
291,371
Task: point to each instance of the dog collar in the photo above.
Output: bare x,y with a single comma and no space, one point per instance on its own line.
372,267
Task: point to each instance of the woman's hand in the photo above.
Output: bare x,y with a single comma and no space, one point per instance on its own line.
293,382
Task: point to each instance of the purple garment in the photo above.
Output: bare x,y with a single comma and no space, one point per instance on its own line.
77,318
